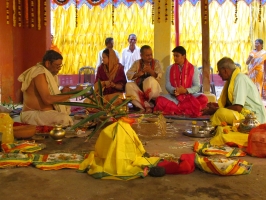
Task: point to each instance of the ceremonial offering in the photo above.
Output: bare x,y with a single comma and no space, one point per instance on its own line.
248,123
58,133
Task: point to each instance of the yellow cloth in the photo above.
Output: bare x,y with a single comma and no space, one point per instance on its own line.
224,114
223,166
231,138
118,154
27,76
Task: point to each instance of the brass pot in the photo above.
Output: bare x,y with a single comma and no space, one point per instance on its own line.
57,133
248,123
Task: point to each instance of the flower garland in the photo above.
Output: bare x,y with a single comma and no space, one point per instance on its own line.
7,12
39,14
165,15
44,13
236,12
32,21
76,13
159,11
173,12
152,11
113,12
19,13
259,12
26,12
14,13
206,11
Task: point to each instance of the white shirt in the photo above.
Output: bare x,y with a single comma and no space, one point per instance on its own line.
129,57
100,58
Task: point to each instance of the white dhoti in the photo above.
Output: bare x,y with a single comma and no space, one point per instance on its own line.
151,90
46,118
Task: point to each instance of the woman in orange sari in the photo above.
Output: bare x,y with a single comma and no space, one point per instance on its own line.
256,63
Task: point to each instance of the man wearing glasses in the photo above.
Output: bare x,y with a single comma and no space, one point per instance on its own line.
40,92
131,53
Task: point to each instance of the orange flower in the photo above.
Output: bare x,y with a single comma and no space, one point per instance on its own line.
223,124
226,131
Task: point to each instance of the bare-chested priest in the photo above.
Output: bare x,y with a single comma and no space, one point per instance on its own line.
40,88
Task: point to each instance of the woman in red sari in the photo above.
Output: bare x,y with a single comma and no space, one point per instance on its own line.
112,76
183,85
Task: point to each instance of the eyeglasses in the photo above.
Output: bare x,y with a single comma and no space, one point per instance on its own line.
57,65
132,39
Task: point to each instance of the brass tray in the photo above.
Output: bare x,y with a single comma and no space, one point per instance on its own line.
203,134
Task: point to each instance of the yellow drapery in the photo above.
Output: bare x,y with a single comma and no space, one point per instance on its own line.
80,45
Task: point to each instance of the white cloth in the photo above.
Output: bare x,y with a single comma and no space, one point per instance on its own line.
149,83
129,57
100,58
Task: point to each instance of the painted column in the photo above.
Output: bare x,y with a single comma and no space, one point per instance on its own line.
162,35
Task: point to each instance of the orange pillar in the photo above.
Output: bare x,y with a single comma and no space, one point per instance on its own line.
21,47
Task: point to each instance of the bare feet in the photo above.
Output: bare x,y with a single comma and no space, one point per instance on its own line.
148,110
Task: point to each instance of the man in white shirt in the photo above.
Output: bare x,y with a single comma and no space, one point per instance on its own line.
109,43
131,53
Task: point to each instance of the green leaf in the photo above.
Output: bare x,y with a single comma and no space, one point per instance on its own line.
122,104
70,92
108,104
89,118
115,131
100,91
82,92
99,127
95,97
85,105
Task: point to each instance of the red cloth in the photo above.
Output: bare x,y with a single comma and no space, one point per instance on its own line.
188,105
120,78
186,165
184,78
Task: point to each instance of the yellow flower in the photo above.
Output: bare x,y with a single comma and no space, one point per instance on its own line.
226,131
223,124
194,122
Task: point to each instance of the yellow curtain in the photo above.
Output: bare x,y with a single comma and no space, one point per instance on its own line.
80,45
227,38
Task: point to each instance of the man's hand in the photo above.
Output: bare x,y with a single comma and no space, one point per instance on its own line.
180,90
147,69
210,109
66,89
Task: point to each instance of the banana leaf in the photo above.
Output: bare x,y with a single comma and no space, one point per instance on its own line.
86,105
89,118
108,104
77,93
99,127
100,91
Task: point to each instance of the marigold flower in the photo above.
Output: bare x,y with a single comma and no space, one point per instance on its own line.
226,131
223,124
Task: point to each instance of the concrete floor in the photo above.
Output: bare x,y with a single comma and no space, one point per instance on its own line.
30,183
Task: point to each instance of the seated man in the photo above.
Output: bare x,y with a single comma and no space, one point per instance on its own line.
145,72
239,96
182,83
40,89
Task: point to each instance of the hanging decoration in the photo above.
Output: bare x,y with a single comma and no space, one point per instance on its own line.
14,13
260,12
159,10
60,2
76,9
19,13
165,15
39,14
95,2
173,12
32,21
26,13
113,12
7,12
152,11
205,11
44,13
236,11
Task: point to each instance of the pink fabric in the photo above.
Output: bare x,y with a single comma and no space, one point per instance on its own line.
185,166
185,78
188,105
